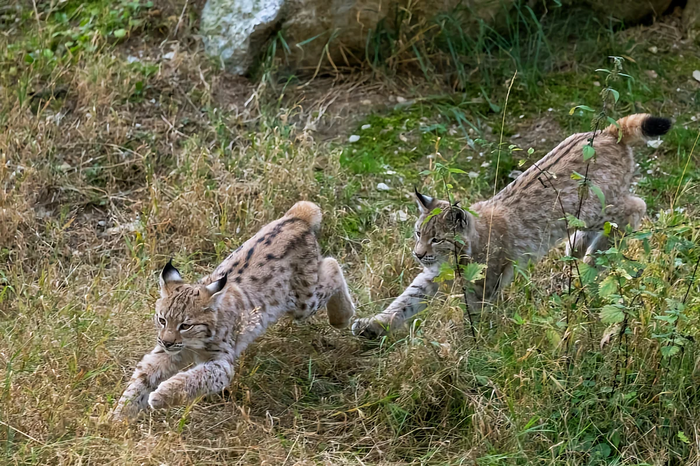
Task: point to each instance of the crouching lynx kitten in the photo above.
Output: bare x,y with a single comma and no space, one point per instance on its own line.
203,328
525,220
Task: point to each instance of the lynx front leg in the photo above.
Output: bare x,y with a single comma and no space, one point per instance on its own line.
204,379
155,367
412,301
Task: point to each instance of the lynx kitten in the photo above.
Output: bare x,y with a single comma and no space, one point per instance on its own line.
525,220
203,328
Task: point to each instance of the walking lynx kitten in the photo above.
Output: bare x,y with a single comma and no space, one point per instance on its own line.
203,328
525,220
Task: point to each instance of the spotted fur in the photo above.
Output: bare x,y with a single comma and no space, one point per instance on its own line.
204,327
525,220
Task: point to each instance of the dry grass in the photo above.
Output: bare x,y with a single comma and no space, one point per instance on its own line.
136,163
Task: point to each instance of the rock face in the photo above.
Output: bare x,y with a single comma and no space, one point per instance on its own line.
235,31
336,32
630,11
314,30
691,18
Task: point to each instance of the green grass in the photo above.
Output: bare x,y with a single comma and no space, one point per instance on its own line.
133,163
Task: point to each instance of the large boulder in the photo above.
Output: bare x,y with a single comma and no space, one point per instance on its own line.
691,18
313,32
630,11
235,31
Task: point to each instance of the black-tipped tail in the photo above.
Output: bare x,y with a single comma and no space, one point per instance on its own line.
653,126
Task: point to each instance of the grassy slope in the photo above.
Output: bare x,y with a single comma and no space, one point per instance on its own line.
157,147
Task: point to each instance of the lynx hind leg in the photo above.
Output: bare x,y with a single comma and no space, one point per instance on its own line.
600,243
635,209
332,290
630,212
578,243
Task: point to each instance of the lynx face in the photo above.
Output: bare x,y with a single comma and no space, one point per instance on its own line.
186,314
435,238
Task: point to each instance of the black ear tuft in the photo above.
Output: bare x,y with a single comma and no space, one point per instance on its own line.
423,201
218,285
459,217
170,273
655,126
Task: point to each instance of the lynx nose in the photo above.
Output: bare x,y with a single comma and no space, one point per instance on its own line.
419,256
167,344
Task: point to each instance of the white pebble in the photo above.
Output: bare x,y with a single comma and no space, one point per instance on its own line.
366,126
654,143
354,138
383,187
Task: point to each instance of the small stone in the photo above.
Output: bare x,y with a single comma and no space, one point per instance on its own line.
654,143
366,126
400,216
403,138
652,74
169,55
596,83
696,75
654,49
550,109
64,167
400,99
485,164
473,175
131,59
353,138
383,187
515,136
366,102
514,174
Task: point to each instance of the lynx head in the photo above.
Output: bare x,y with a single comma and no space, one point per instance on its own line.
186,314
435,231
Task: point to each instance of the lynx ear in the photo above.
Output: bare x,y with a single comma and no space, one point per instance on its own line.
424,202
169,277
460,217
217,286
216,291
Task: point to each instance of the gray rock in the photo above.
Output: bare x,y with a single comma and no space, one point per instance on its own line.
691,18
630,11
315,31
235,30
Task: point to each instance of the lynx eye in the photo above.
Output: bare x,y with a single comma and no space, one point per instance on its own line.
161,321
185,327
436,241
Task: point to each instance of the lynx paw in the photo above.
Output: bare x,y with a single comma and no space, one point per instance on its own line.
369,328
161,400
126,410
